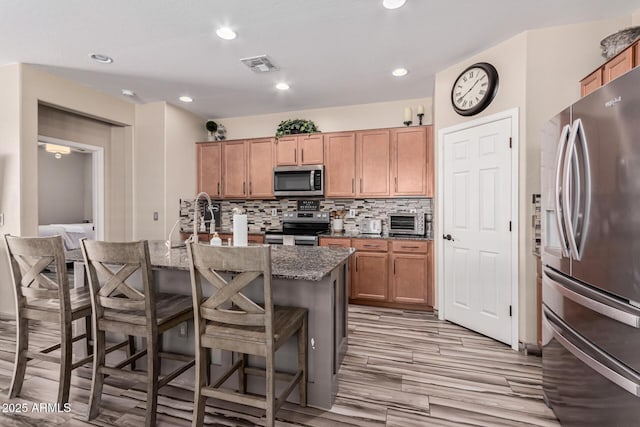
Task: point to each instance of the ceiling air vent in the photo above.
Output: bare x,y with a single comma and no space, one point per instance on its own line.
259,64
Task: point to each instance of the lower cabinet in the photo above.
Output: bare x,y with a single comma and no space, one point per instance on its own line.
390,273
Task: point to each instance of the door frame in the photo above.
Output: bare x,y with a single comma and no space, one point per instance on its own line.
515,200
97,171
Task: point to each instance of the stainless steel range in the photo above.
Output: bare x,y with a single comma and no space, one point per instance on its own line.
299,228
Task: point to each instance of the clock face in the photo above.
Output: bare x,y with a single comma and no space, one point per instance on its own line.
474,89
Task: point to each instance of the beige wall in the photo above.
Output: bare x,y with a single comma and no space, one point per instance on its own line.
23,88
148,171
635,18
182,130
539,74
351,117
10,193
164,166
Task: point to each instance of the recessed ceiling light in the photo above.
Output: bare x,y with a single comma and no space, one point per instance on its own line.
399,72
103,59
393,4
282,86
186,99
127,92
226,33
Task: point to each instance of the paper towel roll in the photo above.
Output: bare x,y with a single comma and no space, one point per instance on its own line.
240,230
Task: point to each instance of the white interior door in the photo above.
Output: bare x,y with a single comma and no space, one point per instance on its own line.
477,215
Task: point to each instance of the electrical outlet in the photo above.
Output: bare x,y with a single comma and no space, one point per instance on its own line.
274,211
183,330
352,213
412,211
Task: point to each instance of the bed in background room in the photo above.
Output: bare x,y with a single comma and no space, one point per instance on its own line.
71,233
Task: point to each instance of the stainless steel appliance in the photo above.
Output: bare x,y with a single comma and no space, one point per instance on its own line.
299,228
298,181
407,224
591,257
370,226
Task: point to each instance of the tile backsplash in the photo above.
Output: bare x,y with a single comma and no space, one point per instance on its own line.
260,219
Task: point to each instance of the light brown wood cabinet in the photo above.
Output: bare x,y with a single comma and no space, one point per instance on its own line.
209,168
409,161
371,270
234,170
300,150
340,164
373,160
590,83
618,65
247,168
389,273
612,69
411,272
260,170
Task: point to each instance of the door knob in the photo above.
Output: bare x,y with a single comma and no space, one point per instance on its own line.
448,237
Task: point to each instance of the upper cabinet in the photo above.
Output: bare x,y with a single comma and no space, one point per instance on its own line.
612,69
411,157
209,168
340,164
373,154
296,150
260,168
234,170
368,163
247,169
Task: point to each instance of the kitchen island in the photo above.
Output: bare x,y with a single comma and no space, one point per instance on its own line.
316,278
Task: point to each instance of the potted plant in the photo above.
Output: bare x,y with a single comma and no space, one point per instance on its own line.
295,126
211,128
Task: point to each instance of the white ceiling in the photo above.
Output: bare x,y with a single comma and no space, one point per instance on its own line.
331,52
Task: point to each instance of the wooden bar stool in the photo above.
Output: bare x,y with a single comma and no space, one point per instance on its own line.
120,307
228,320
45,295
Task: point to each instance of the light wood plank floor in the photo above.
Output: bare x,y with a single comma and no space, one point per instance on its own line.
403,368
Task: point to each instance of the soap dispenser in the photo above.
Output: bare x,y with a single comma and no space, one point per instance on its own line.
216,240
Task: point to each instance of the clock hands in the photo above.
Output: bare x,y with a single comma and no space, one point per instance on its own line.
470,89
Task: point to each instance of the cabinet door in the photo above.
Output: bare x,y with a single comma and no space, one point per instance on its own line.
373,153
335,242
409,161
590,83
340,164
260,153
286,149
618,65
311,149
209,168
370,276
409,278
234,166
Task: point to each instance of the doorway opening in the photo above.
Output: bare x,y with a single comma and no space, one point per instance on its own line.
70,190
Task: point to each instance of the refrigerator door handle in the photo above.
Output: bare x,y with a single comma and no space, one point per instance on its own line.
569,209
555,281
620,380
581,138
562,146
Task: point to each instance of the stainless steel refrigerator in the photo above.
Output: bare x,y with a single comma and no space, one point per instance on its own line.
591,258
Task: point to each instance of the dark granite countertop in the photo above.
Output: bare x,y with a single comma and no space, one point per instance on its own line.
357,235
228,231
287,262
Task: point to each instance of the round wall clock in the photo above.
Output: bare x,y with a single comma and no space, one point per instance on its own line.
474,89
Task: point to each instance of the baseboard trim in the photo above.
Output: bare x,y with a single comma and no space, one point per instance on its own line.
530,349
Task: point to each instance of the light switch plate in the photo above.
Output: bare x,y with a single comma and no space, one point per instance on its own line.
155,216
1,219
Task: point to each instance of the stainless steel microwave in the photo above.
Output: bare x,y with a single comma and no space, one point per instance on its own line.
407,224
298,181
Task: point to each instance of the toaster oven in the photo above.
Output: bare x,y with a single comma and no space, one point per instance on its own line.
403,224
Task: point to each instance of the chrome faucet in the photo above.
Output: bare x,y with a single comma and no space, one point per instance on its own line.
196,212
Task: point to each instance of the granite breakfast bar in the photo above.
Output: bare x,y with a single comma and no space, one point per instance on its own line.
316,278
